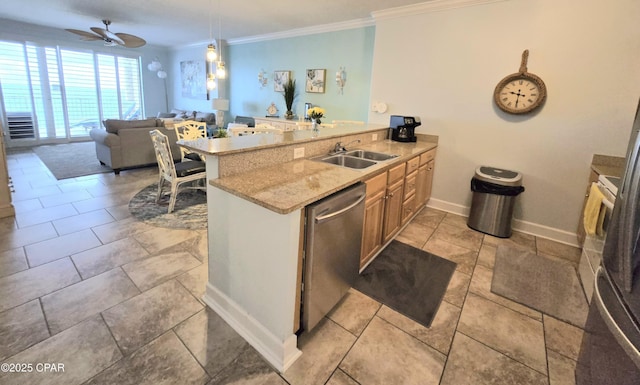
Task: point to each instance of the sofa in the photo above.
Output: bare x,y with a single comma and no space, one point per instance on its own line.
127,143
174,116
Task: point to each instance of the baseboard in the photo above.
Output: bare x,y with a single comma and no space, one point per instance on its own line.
7,210
280,354
448,207
530,228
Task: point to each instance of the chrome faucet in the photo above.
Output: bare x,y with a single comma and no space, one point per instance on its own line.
338,148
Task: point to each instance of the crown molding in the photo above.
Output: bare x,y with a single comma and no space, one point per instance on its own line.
312,30
428,7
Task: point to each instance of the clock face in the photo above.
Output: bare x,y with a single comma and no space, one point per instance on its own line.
272,110
520,93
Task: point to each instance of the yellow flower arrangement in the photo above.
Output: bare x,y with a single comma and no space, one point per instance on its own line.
315,113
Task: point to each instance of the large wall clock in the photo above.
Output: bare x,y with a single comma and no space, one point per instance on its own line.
521,92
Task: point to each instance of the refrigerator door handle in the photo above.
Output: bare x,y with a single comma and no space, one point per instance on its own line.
629,228
613,327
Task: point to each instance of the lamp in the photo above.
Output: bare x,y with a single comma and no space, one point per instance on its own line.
262,78
211,53
341,79
211,57
156,66
221,71
220,105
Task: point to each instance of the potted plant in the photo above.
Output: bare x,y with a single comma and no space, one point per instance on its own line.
289,94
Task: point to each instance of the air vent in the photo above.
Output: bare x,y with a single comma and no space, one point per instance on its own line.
20,125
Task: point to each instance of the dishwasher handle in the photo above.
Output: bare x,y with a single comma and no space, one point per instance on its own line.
326,217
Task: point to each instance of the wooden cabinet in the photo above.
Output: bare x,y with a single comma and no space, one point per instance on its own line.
409,202
392,211
393,198
373,217
424,178
382,211
6,208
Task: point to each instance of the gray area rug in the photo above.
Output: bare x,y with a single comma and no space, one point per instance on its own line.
408,280
190,211
71,160
548,285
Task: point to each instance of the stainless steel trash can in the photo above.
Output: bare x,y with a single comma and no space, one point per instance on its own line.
494,196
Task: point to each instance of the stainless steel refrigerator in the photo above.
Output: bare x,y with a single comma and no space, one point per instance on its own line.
610,350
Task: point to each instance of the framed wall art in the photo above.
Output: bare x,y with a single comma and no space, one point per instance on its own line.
193,76
315,81
279,80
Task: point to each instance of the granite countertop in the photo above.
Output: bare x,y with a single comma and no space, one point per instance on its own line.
237,144
608,165
290,186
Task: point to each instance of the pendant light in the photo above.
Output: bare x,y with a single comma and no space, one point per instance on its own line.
221,71
211,57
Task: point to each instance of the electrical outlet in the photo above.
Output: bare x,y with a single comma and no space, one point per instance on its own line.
374,137
298,153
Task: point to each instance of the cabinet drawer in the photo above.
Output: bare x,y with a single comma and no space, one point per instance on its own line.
413,164
408,208
410,184
427,156
396,173
376,184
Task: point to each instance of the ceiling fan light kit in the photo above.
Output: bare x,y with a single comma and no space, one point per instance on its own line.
109,38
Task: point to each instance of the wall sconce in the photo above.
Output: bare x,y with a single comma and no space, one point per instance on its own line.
262,78
341,79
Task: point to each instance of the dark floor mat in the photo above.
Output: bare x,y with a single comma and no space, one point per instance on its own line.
408,280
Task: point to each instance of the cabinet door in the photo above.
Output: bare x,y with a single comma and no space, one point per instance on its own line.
393,210
372,228
429,181
6,208
421,186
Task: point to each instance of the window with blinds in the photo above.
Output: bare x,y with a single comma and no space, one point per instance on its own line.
67,92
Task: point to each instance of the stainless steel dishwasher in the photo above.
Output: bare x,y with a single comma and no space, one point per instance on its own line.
332,251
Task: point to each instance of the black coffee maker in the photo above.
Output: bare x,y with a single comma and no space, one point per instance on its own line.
403,128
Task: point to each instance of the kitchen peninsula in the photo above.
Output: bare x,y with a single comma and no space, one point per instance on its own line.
256,198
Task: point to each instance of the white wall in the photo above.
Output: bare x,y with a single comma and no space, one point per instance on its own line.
443,66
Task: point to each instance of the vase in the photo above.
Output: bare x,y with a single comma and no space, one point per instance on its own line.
288,115
315,127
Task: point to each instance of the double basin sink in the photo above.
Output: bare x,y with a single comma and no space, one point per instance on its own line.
357,159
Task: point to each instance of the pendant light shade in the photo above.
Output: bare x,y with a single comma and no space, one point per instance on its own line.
211,81
221,71
212,55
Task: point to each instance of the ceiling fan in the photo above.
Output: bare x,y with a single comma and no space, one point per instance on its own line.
110,39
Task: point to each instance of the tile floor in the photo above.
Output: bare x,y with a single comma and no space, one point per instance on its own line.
119,302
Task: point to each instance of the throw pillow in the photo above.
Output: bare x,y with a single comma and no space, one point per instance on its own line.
166,115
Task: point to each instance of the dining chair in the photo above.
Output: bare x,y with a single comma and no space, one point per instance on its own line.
190,130
177,174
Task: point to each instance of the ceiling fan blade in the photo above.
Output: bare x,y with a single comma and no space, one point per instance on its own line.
85,35
106,34
131,41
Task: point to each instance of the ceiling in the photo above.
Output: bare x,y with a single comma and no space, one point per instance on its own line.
174,23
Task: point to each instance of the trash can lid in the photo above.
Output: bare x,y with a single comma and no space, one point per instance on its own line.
499,176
